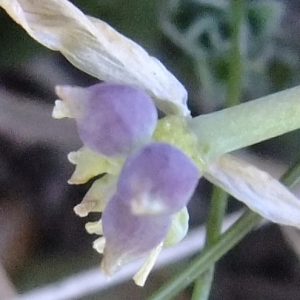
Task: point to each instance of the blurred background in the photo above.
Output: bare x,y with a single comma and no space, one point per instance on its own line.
41,239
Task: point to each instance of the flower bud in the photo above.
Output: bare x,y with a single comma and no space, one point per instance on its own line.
112,119
157,179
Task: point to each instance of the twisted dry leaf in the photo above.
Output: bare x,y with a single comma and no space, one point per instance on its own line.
97,49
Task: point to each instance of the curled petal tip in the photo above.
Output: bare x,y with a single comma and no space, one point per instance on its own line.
83,209
73,157
60,110
94,227
99,244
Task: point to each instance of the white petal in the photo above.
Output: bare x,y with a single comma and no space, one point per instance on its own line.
141,276
99,244
97,196
89,164
60,110
256,188
94,227
102,188
84,208
70,102
97,49
179,228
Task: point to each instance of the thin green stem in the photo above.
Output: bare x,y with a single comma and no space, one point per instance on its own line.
246,124
208,256
247,222
236,18
291,177
213,230
203,284
217,210
220,198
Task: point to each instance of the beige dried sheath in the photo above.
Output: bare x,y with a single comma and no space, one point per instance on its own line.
97,49
256,188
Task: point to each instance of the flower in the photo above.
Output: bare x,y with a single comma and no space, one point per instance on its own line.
126,191
155,183
143,199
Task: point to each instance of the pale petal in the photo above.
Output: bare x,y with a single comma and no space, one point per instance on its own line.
104,187
141,276
61,110
97,49
99,244
97,196
83,209
94,227
179,228
256,188
89,164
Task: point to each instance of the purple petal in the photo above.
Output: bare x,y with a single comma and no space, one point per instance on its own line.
115,118
129,236
118,119
159,178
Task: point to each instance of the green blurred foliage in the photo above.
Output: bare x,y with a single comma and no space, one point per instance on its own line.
135,18
201,29
15,44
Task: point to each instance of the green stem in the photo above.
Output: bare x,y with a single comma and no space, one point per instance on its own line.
246,124
291,177
220,198
217,210
209,256
203,284
227,241
236,18
213,230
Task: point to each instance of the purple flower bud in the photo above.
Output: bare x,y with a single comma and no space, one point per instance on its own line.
129,236
157,179
112,119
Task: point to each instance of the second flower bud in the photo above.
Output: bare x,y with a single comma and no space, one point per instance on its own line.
112,119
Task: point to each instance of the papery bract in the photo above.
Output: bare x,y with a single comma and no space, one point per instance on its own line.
256,188
112,119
